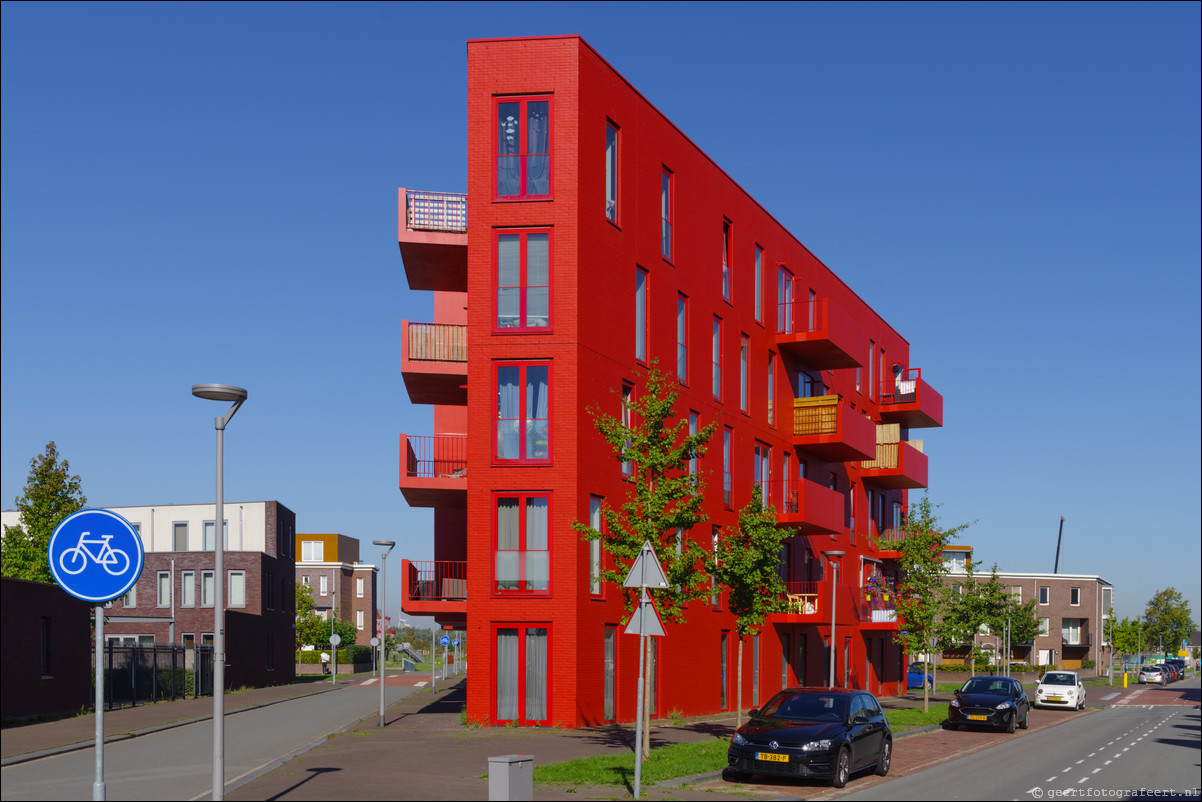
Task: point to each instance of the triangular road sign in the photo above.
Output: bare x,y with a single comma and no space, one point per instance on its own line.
646,571
645,620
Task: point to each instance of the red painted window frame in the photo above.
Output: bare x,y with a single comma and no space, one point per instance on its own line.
600,593
744,374
522,496
682,338
523,365
643,306
617,166
759,284
667,184
772,389
522,626
523,155
728,267
716,360
523,234
728,484
627,418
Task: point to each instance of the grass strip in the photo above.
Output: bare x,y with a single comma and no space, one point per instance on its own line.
914,717
665,763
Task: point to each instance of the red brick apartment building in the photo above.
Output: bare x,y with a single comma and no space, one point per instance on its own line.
594,239
338,583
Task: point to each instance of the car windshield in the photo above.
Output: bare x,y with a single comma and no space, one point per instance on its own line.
806,707
988,685
1059,679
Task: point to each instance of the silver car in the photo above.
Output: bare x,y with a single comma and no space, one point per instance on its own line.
1060,689
1152,674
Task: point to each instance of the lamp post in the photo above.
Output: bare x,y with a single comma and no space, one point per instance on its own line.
833,556
383,606
235,395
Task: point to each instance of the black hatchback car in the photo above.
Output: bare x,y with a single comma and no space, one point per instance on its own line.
824,733
997,702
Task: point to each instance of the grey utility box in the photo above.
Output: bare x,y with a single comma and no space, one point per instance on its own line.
511,777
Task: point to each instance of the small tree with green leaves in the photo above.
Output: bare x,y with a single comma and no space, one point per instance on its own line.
663,498
1167,621
921,601
747,564
51,494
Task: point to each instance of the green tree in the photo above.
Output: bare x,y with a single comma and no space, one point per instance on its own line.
1127,636
663,499
921,601
1167,621
51,494
966,606
313,630
747,564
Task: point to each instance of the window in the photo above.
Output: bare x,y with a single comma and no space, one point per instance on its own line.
1074,597
187,589
628,422
179,537
522,561
522,659
523,412
1045,593
210,541
784,301
611,644
771,389
759,284
312,551
164,584
726,261
694,419
640,314
755,670
523,280
1070,631
594,547
784,661
871,380
523,147
682,338
611,171
716,593
727,483
761,471
1045,626
744,372
716,359
131,598
665,214
359,587
324,584
236,591
208,589
725,671
358,619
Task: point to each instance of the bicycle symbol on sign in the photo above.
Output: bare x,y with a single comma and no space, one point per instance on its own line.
74,560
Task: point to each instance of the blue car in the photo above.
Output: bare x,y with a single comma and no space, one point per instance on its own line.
917,676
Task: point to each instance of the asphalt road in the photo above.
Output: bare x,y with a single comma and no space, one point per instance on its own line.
177,764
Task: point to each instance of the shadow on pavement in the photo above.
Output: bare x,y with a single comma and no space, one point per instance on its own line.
314,772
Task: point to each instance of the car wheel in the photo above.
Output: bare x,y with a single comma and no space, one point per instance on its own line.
1012,722
842,769
1026,722
882,762
931,685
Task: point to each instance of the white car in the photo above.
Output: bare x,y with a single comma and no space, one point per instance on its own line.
1060,689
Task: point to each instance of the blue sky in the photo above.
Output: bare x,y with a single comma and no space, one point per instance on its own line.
207,193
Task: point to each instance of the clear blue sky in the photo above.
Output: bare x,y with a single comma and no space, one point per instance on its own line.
207,193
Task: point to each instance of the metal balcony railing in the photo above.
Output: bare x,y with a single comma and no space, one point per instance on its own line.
902,388
440,456
801,317
803,598
437,580
435,211
437,342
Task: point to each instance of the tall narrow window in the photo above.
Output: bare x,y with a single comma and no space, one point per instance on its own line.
611,171
727,483
755,670
611,645
759,284
665,214
784,661
682,339
522,659
524,147
871,375
179,537
523,412
628,422
744,372
210,535
762,471
359,587
784,301
594,547
208,588
640,314
788,496
523,280
694,418
523,559
716,593
725,671
716,359
771,389
187,587
236,588
164,599
726,261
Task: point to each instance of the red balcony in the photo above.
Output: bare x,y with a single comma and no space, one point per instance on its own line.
437,588
878,606
819,333
434,362
898,466
434,470
810,603
829,428
432,234
807,507
910,401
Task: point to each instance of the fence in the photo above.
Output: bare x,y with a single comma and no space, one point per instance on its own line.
436,211
155,673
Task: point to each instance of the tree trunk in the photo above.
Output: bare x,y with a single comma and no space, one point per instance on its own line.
646,711
739,686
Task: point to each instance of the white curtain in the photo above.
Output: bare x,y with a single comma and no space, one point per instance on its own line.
538,280
536,674
507,674
509,167
509,280
506,570
640,315
537,446
538,562
508,412
538,160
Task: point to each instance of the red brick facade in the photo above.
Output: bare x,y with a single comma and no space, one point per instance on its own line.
45,662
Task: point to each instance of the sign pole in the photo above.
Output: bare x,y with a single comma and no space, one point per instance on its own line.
98,790
638,724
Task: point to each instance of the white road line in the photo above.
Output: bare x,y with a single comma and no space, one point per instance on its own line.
1095,771
421,684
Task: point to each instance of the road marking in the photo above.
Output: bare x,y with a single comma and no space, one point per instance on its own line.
421,684
371,681
1108,762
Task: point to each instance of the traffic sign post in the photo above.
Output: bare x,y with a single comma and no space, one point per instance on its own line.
335,639
96,556
644,573
445,640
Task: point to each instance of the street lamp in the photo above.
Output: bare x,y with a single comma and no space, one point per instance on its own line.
235,395
833,556
383,598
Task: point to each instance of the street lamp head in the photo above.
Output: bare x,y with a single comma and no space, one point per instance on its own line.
834,554
219,392
388,543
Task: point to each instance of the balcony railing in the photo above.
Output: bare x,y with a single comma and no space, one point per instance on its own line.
815,416
888,455
803,598
437,580
437,342
879,605
801,317
440,456
436,211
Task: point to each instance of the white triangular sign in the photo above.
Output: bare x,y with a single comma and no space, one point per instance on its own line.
645,619
646,571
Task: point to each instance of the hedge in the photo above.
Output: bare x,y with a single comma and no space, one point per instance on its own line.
351,654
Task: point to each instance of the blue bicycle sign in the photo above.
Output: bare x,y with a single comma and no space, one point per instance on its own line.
95,555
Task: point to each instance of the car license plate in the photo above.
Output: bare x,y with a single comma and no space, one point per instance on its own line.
1055,699
772,758
978,718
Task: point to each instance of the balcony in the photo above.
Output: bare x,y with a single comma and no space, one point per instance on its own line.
899,464
910,401
829,428
807,507
434,587
434,362
432,235
434,470
819,333
878,608
810,603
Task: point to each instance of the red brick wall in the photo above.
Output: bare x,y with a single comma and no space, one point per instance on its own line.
24,689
